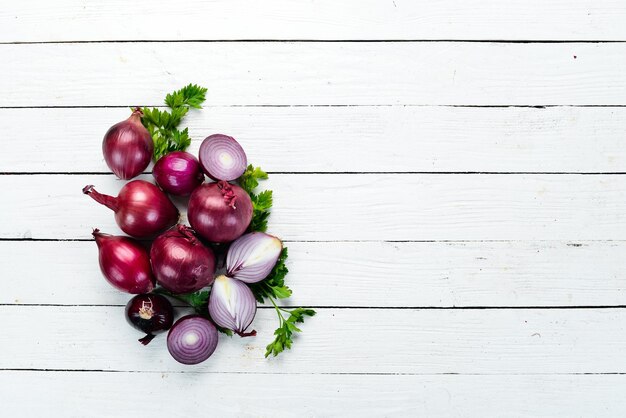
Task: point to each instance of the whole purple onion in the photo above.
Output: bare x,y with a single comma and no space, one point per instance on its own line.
141,209
127,147
180,262
219,212
124,263
149,313
178,173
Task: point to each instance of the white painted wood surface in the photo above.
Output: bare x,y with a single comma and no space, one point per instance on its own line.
297,73
93,20
348,139
382,341
129,395
454,210
371,207
390,274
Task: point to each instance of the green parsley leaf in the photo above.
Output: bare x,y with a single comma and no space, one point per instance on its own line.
163,125
261,204
273,286
284,333
226,331
249,180
191,95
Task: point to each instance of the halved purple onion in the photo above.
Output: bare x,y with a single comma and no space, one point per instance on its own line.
222,158
232,305
252,257
192,339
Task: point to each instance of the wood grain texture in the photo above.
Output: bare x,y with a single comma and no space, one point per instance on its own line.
363,73
361,207
334,341
382,274
32,394
346,139
72,20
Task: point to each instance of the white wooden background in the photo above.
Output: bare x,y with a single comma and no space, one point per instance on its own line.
449,177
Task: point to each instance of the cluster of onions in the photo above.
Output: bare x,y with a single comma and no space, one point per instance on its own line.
181,259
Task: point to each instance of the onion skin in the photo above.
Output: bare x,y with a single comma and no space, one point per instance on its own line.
127,147
149,313
222,158
219,212
124,263
178,173
141,209
180,262
192,339
253,256
232,305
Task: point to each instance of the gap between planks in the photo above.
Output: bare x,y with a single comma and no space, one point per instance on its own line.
474,41
410,308
306,374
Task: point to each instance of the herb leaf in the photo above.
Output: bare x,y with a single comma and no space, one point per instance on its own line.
284,333
274,285
262,202
191,95
163,125
249,180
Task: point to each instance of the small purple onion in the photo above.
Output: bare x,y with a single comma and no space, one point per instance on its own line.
151,314
222,158
232,305
253,256
127,147
178,173
192,339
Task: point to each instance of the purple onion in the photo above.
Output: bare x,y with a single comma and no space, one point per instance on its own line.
222,158
219,212
180,262
141,209
149,313
232,305
192,339
124,263
253,256
178,173
127,147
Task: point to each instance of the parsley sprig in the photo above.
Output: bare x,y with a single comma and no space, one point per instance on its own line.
273,287
262,202
163,125
284,332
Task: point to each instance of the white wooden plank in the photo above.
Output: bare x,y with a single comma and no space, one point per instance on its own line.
375,341
339,139
315,73
362,274
66,394
70,20
361,207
